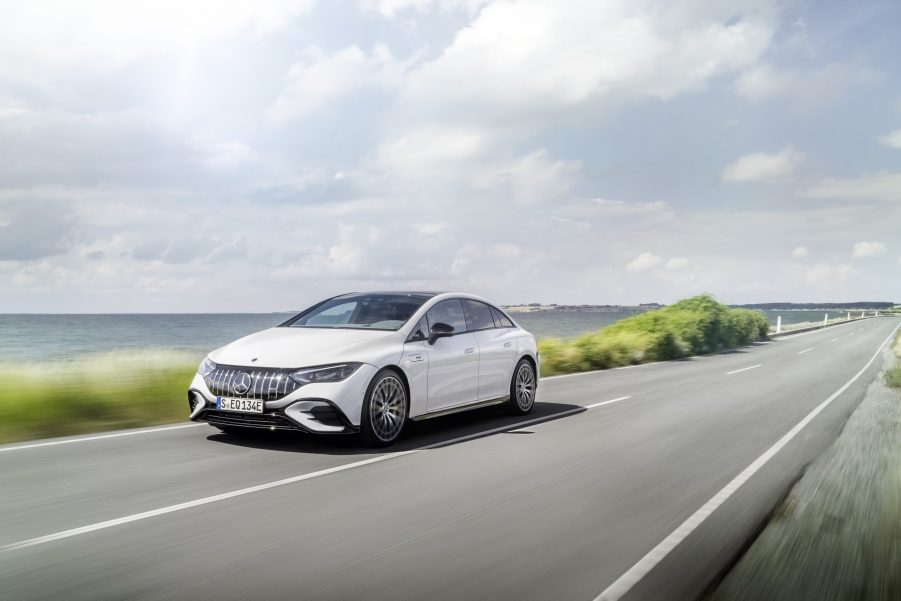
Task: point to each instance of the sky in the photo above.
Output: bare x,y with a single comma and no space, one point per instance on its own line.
224,155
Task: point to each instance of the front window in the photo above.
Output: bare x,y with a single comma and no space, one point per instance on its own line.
360,311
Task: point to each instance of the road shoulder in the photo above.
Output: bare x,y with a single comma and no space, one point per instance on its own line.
836,536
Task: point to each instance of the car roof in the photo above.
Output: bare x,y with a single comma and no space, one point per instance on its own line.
418,293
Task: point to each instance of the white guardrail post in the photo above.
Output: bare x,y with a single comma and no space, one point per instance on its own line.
778,324
849,316
826,319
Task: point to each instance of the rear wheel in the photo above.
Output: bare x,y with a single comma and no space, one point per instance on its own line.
523,388
384,410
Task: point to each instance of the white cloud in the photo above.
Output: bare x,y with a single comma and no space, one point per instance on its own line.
535,177
868,249
458,161
761,166
644,262
677,263
223,154
426,150
762,82
828,275
428,229
607,207
391,8
808,90
319,79
880,186
101,34
800,252
534,58
891,139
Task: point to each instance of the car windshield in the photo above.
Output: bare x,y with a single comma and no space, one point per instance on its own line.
360,311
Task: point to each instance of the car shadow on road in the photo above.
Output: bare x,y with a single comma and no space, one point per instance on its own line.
430,433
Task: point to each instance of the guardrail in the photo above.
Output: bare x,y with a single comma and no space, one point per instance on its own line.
778,332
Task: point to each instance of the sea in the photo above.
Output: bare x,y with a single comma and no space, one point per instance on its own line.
40,337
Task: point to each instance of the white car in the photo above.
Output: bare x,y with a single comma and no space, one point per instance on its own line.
368,362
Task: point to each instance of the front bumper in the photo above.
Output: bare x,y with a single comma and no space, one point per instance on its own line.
325,408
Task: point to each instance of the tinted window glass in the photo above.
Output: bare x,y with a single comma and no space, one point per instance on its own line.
420,332
478,315
449,312
371,311
502,320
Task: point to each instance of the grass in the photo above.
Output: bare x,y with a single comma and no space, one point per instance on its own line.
893,374
97,392
693,326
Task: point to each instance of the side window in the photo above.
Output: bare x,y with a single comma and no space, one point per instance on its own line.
478,315
450,312
502,320
420,332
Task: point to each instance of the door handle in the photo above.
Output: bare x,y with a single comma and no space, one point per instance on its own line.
469,351
508,344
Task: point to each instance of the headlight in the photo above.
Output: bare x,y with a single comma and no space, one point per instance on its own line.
206,368
330,373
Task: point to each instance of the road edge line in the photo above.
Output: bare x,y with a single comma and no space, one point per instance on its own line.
53,443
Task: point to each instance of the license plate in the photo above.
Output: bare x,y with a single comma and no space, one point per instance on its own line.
239,405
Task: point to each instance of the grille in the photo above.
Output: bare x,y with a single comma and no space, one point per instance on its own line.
247,420
266,384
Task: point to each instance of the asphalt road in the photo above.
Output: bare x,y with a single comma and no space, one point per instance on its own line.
643,482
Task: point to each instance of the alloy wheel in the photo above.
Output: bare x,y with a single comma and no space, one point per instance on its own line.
525,386
388,408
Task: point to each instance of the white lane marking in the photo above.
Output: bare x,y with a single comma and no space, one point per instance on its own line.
622,398
633,575
195,503
98,437
833,340
807,350
729,373
266,486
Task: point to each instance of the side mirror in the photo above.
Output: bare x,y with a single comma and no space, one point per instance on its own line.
440,330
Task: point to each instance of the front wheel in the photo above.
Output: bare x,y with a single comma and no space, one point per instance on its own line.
523,388
384,410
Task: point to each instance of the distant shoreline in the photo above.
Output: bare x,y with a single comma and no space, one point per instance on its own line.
855,306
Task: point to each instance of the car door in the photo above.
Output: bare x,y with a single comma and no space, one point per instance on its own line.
453,361
415,363
497,349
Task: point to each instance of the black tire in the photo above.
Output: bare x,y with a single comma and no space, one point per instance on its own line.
385,409
523,387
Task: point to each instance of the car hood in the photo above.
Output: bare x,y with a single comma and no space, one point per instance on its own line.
302,347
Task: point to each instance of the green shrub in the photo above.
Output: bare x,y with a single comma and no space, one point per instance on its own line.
893,376
692,326
558,357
